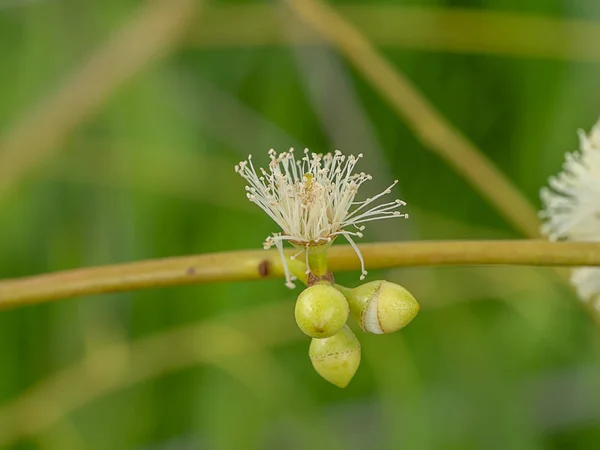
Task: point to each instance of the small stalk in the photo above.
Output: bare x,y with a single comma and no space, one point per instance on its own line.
318,272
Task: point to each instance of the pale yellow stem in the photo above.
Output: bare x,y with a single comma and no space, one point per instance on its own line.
430,126
260,264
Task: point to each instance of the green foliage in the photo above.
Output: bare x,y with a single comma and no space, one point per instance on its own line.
496,359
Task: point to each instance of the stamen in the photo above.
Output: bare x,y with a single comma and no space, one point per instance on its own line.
286,271
296,254
358,253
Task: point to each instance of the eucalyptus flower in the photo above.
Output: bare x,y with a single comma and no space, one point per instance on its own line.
572,208
312,199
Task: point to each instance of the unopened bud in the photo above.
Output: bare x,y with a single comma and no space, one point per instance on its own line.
321,311
336,358
381,307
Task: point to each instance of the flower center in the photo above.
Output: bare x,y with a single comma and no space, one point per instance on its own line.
310,191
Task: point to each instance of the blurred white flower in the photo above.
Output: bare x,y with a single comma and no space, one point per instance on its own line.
572,208
311,200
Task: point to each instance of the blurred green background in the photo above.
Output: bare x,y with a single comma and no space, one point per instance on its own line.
498,358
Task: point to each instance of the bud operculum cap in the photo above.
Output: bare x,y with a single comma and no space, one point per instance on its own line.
321,311
336,358
381,307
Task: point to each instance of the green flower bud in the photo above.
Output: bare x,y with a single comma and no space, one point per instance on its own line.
336,358
321,311
381,307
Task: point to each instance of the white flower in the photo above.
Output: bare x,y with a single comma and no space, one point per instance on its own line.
572,208
311,198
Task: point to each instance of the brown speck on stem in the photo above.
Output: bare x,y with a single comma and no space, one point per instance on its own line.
264,268
191,271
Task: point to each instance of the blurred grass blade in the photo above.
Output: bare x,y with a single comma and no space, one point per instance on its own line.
120,365
426,28
42,130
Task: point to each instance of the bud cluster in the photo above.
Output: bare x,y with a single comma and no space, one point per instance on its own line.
322,311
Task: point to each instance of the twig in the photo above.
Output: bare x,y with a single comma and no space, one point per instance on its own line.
429,125
259,264
39,134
